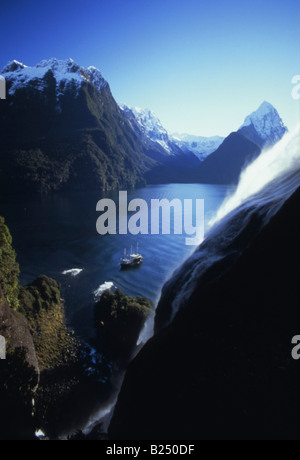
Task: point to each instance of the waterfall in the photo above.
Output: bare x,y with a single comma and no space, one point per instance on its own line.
271,165
263,188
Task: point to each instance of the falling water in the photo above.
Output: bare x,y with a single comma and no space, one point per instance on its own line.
272,164
263,188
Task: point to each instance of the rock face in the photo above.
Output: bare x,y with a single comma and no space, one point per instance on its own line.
16,332
119,320
19,375
41,305
223,368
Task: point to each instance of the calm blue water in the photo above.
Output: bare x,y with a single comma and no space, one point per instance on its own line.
57,233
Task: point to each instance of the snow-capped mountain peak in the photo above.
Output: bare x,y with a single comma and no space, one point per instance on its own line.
264,126
12,66
150,125
149,122
64,71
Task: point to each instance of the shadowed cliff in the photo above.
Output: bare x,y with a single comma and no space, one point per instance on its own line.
223,368
19,375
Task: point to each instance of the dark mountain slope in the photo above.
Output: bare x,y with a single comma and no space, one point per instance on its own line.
173,164
261,129
225,165
64,134
223,369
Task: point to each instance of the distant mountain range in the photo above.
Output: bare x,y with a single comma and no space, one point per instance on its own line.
200,146
222,159
61,129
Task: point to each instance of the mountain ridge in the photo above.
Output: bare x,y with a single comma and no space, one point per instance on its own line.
61,129
263,127
63,70
64,130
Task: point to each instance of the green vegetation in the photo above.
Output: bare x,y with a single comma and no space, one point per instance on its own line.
9,269
82,142
119,320
40,303
44,360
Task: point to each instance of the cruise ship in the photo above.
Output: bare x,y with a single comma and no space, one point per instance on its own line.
133,260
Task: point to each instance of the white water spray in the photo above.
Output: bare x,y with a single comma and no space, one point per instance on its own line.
272,163
264,187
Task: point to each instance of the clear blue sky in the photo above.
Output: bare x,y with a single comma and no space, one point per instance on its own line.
200,65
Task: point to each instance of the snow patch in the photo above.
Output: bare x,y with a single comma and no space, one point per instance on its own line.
200,146
266,122
150,125
65,72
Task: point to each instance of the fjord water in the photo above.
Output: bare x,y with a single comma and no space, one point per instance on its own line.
56,234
